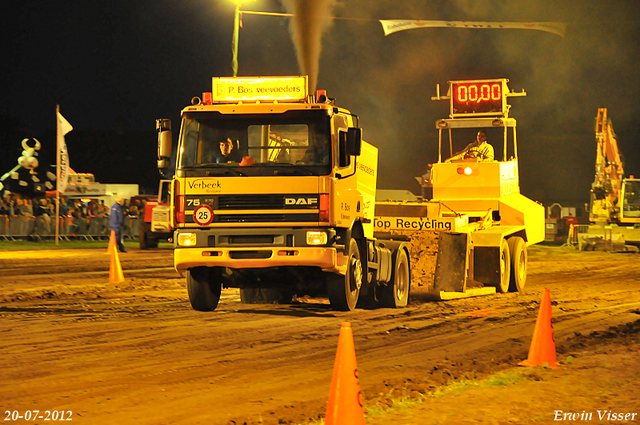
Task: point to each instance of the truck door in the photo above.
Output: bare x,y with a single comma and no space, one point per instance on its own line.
346,201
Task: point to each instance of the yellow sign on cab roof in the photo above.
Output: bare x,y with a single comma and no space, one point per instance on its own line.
289,89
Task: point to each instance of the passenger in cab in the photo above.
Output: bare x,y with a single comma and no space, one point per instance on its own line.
319,153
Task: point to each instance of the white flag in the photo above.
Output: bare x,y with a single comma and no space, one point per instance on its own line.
394,25
63,156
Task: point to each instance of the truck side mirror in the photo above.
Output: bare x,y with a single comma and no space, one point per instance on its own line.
350,144
165,141
354,141
164,192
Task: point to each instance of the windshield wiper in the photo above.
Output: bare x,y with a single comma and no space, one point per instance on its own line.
290,167
231,172
200,165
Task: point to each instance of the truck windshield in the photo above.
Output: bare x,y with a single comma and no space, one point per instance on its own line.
296,142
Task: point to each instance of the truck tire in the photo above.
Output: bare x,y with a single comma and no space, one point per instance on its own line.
505,268
345,290
204,286
249,295
265,296
145,237
518,253
396,293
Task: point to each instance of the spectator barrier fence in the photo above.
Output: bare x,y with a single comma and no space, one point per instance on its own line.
44,227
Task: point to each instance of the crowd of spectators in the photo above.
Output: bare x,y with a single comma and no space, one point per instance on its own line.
35,218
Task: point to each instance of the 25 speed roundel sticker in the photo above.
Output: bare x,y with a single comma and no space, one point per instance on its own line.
203,215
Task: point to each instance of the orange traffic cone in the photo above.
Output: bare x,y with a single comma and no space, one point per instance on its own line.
543,347
112,241
115,269
345,398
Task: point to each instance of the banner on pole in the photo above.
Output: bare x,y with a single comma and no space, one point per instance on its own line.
63,156
394,25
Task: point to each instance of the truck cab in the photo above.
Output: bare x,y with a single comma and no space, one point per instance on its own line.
273,188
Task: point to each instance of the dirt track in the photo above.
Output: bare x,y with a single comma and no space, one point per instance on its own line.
136,353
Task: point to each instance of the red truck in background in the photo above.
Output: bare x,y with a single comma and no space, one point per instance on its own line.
156,223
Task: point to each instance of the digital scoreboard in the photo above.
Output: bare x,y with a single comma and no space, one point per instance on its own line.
478,98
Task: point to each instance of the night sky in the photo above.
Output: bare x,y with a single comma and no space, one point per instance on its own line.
114,67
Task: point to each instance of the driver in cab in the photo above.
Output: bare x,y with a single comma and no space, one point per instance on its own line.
227,152
479,149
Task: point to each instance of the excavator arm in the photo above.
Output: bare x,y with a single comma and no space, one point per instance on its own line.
605,190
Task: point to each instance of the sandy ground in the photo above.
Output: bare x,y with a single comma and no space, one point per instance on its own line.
136,353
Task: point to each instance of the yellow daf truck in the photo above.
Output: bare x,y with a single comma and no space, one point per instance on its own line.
484,223
274,193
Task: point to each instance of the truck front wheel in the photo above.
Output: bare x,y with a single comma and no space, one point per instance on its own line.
345,290
204,286
396,293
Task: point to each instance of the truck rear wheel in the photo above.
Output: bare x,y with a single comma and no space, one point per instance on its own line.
345,290
204,287
518,253
265,296
505,268
396,293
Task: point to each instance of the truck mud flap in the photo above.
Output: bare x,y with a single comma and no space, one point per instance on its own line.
452,264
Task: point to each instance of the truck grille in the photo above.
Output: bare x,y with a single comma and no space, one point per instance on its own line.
266,202
284,208
250,202
265,218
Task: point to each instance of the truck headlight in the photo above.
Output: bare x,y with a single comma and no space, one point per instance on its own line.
186,239
316,238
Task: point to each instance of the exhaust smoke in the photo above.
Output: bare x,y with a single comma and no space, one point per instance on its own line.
311,18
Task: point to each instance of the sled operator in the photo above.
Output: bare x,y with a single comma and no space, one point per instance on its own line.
479,148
